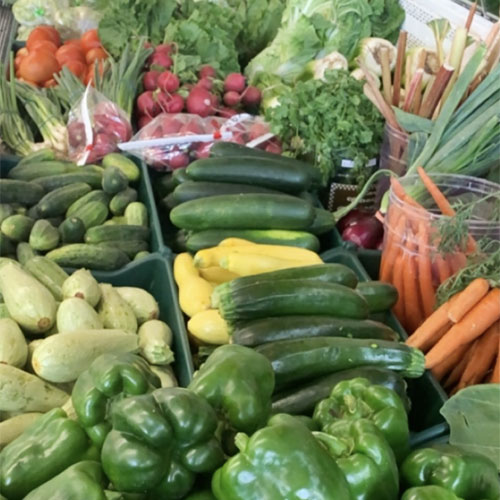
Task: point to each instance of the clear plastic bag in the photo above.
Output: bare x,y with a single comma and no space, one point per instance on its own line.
172,141
95,126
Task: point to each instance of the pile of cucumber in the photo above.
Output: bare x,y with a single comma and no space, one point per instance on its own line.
245,193
54,325
313,323
78,216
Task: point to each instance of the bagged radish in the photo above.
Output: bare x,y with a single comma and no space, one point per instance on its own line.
172,141
95,127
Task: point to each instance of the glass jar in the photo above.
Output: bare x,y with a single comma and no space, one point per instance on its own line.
411,258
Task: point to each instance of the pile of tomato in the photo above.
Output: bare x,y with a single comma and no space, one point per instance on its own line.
45,54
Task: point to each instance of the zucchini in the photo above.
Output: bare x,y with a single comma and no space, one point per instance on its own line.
114,180
261,331
126,165
293,296
44,236
268,173
120,200
13,427
12,191
6,210
40,155
49,274
96,195
136,214
155,339
212,237
142,303
56,202
98,234
72,230
24,253
322,222
37,170
17,227
244,211
302,359
379,295
92,214
57,181
89,256
130,247
13,346
114,311
301,400
83,285
76,314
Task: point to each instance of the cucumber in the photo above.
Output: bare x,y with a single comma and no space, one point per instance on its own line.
17,227
191,190
302,400
302,359
96,195
222,149
7,247
72,230
49,274
41,155
55,221
33,212
37,170
180,175
102,233
120,200
379,295
92,214
244,211
136,214
56,202
89,256
261,331
114,180
24,253
57,181
126,165
12,191
44,236
130,247
165,185
293,296
6,210
322,222
268,173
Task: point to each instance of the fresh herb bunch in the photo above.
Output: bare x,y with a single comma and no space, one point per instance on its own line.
328,120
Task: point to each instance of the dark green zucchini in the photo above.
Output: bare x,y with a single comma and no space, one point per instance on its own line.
379,295
302,359
322,222
302,400
261,331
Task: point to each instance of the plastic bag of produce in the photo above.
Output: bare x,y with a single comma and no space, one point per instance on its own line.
35,12
95,126
75,21
173,140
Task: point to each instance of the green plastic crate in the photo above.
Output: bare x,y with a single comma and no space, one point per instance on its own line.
426,394
145,195
154,274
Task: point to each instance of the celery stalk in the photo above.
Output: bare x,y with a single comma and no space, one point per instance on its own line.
455,58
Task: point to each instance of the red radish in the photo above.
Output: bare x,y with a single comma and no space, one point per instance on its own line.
147,105
351,218
178,160
251,96
192,127
366,233
161,60
234,82
207,71
202,150
150,80
169,124
227,112
165,48
274,148
231,99
144,120
175,104
215,100
76,134
162,99
199,102
206,83
168,82
103,144
258,129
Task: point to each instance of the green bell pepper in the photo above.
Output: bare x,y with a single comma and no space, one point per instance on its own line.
82,481
429,493
159,442
365,458
359,398
201,495
109,377
238,383
281,461
50,445
467,475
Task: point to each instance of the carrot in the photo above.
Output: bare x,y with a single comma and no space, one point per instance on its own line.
442,369
495,376
484,354
472,325
434,323
457,261
413,309
390,252
429,344
457,371
443,270
400,192
397,281
425,272
469,297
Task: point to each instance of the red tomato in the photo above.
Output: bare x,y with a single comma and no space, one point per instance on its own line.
38,66
90,40
78,68
50,83
74,41
22,52
90,72
43,32
69,53
94,54
44,45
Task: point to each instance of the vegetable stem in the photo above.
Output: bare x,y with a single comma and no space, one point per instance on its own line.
403,35
436,91
386,74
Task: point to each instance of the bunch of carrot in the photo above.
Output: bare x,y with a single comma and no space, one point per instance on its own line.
461,339
409,259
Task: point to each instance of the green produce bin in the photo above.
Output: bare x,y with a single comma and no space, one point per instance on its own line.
426,394
154,274
145,192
